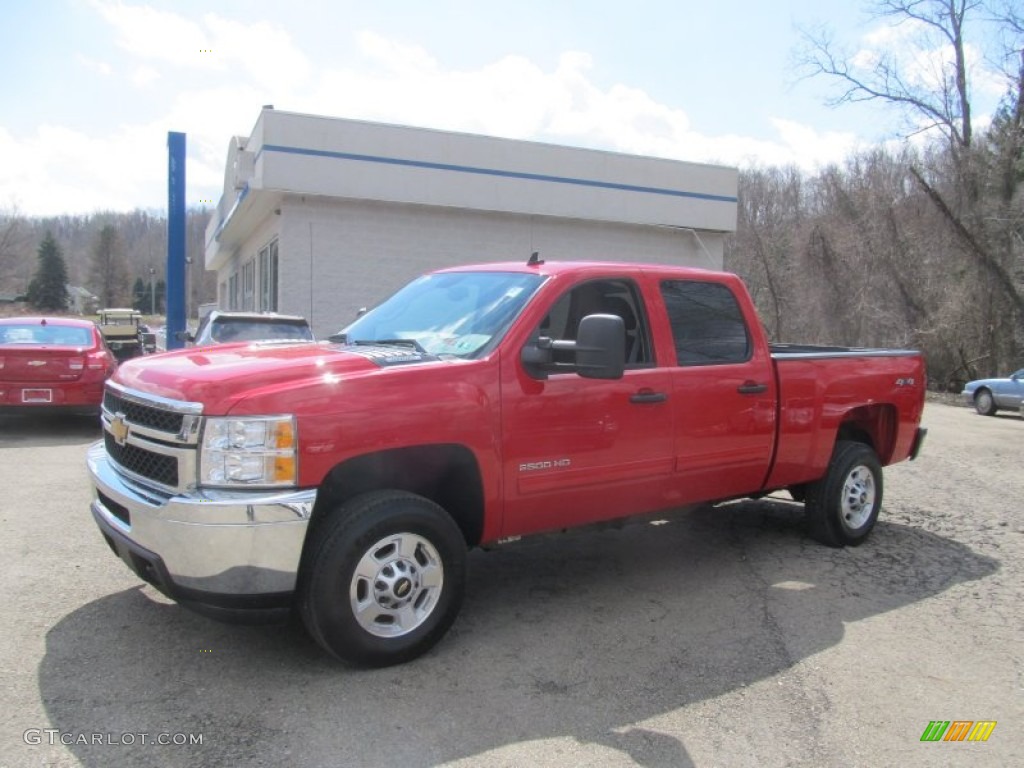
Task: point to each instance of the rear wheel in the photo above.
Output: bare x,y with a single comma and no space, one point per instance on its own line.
384,579
843,506
984,403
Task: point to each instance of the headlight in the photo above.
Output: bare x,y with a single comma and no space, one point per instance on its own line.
255,451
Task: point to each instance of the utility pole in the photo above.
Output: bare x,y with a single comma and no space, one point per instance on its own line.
152,293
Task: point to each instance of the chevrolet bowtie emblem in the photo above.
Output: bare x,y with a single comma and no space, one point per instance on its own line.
118,428
36,363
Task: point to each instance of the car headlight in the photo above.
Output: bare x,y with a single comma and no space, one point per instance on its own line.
249,451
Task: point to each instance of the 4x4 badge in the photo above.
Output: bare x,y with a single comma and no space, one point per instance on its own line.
118,428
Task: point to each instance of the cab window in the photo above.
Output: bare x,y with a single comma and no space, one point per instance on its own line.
707,323
607,297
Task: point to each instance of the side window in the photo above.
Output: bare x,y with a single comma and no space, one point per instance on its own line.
610,297
707,324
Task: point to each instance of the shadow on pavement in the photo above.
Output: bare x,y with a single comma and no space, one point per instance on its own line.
36,430
578,638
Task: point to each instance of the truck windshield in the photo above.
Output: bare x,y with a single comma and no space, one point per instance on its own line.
451,313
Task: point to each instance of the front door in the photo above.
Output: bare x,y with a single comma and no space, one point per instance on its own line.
580,450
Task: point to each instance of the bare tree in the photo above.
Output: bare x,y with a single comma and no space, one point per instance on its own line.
957,183
770,208
14,236
109,275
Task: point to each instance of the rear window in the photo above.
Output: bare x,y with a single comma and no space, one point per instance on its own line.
257,330
707,323
55,335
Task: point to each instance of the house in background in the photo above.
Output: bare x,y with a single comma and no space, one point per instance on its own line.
321,216
81,301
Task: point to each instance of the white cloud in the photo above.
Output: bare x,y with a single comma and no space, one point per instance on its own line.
57,169
153,34
514,98
100,67
267,53
263,52
60,170
145,76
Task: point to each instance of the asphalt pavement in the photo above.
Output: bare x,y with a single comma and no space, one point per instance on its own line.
713,637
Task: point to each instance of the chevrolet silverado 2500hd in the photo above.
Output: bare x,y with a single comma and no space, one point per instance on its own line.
347,479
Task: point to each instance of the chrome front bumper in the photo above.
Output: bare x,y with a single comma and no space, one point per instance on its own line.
223,551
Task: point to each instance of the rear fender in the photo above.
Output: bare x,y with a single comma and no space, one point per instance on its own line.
874,425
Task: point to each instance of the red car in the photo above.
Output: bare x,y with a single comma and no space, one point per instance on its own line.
52,362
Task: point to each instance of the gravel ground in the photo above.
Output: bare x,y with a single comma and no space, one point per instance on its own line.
722,637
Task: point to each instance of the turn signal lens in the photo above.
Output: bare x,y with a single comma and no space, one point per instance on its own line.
254,451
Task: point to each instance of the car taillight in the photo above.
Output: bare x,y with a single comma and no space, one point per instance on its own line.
1,362
99,361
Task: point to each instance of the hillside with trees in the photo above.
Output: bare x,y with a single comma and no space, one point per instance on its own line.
918,243
116,256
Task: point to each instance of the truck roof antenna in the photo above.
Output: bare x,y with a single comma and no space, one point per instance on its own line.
535,259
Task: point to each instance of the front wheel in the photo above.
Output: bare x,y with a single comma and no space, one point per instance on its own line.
843,506
984,403
384,578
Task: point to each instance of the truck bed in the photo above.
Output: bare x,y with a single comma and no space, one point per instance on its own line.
781,351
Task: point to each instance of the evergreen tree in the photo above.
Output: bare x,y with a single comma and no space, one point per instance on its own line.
140,295
161,297
48,290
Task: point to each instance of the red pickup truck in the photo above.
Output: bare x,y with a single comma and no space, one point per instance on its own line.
347,479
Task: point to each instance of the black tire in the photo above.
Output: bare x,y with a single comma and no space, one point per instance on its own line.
985,403
843,506
400,560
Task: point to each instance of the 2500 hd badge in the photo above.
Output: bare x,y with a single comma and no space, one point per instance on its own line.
531,466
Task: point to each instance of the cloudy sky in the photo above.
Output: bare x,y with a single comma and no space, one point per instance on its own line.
93,86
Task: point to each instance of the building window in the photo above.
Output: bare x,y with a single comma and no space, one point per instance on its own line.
249,285
233,291
268,277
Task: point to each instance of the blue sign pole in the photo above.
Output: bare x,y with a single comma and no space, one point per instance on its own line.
175,239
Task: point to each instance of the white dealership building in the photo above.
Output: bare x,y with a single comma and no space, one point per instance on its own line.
321,216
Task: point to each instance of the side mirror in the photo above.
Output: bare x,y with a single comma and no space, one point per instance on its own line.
185,336
601,347
599,351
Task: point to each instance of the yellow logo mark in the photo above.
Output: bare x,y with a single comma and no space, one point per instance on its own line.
119,429
982,730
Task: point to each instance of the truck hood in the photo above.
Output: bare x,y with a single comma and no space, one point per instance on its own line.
220,376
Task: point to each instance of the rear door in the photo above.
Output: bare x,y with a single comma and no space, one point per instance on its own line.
723,393
580,450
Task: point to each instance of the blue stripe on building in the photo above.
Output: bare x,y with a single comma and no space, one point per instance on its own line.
493,172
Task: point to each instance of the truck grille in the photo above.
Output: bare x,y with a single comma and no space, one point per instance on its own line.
152,439
143,415
157,467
